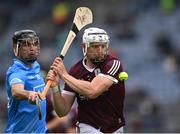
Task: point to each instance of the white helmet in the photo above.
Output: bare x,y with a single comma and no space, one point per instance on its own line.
94,34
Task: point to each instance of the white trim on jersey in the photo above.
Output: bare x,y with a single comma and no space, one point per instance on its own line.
114,68
68,92
109,77
16,81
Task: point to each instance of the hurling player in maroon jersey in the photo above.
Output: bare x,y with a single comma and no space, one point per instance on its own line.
94,82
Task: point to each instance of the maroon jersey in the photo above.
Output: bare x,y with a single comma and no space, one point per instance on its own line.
106,111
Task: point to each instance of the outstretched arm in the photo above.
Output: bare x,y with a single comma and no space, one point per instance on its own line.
18,92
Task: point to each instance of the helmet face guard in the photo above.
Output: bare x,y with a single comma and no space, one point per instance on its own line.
93,37
23,40
27,41
97,52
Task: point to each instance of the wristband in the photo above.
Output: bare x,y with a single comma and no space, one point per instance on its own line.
56,89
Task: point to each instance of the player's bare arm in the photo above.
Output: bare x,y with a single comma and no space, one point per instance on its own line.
18,92
62,102
90,89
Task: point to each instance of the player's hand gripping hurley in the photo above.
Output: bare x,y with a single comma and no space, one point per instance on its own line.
83,17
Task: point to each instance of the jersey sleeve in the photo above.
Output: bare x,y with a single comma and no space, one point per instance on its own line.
112,69
16,78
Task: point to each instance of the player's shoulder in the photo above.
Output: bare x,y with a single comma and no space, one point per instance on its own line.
18,65
16,68
13,69
111,65
111,60
112,57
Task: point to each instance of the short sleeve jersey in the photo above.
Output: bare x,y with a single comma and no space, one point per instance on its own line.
106,111
23,116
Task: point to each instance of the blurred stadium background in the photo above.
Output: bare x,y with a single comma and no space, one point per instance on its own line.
144,34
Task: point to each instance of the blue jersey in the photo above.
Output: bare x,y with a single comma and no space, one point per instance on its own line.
23,116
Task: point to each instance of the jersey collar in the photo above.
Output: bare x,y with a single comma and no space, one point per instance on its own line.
87,68
20,63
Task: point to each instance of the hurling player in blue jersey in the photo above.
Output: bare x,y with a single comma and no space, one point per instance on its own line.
23,82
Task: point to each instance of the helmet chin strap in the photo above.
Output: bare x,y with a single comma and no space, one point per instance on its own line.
26,61
85,49
31,61
97,61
